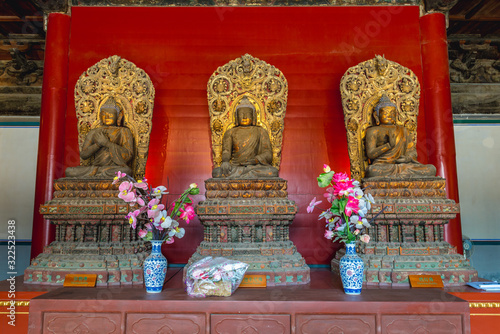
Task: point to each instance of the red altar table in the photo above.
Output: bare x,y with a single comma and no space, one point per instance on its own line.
319,307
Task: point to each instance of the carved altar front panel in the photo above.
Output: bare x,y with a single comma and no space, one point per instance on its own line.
449,324
336,323
250,323
165,323
103,323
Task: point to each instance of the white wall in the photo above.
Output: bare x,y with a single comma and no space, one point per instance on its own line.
18,155
478,168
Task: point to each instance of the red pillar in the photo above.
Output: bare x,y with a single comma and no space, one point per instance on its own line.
438,112
51,136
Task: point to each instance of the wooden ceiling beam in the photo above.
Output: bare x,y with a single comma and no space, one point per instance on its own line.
459,18
470,14
18,19
16,8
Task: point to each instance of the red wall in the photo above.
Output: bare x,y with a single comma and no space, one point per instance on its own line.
181,47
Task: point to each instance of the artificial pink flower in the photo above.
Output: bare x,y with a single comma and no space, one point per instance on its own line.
154,208
118,176
342,188
365,238
352,206
188,213
141,184
170,241
132,218
311,205
142,233
330,197
340,177
326,168
328,234
126,192
140,201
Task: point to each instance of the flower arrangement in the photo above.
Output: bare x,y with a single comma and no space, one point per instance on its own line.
153,220
346,218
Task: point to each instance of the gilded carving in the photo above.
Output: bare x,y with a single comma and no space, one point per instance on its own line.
266,89
133,91
361,88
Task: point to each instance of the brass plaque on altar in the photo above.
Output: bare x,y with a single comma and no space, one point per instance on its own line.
80,280
426,281
254,281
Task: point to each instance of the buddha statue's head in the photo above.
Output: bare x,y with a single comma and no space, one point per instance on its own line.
385,111
110,113
245,113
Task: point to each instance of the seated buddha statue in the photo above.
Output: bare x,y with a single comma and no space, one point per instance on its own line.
246,148
389,147
111,146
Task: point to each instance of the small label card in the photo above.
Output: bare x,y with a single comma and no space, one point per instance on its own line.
426,281
254,281
80,280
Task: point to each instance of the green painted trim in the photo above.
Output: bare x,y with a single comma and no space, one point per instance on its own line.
19,124
318,266
176,265
476,121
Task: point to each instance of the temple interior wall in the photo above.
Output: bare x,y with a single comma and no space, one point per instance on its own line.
180,48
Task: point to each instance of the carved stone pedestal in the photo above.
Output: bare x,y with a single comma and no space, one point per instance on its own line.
92,236
408,237
248,221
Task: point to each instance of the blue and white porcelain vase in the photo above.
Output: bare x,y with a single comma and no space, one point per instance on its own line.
351,271
155,268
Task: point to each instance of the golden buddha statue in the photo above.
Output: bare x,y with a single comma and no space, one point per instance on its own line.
246,148
390,148
110,146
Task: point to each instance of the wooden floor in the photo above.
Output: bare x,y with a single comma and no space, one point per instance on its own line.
318,307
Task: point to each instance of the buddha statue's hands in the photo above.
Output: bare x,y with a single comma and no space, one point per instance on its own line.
404,160
101,139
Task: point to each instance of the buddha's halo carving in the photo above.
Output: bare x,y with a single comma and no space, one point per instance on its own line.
264,86
132,90
361,87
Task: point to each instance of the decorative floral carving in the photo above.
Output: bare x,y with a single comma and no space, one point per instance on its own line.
221,86
352,105
276,126
88,106
353,84
140,88
217,126
84,128
89,86
141,108
407,106
219,106
273,86
405,85
352,125
273,107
